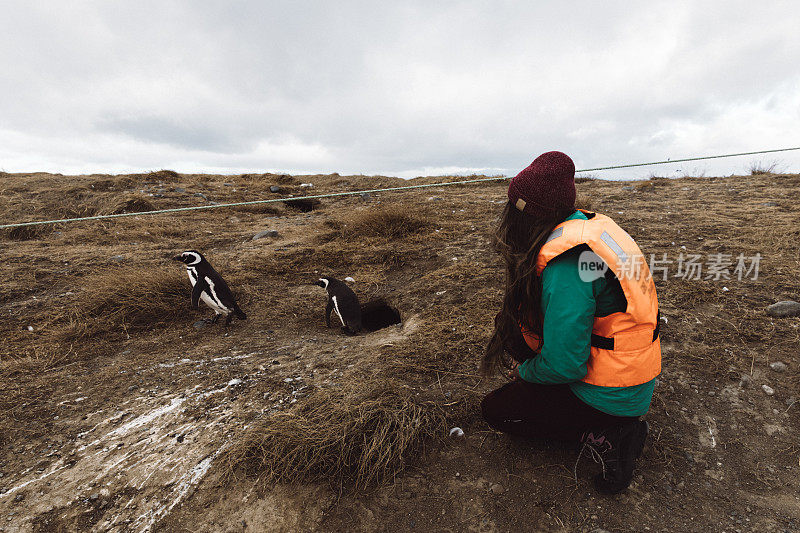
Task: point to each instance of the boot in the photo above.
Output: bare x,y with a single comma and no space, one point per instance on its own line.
616,449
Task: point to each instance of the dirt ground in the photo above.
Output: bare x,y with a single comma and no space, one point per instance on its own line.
118,408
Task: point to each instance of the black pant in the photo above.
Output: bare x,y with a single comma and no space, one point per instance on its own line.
549,412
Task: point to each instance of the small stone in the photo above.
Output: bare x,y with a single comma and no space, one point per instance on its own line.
769,391
29,328
349,279
265,233
628,188
19,497
435,199
786,308
497,489
201,195
745,381
200,324
365,196
179,190
778,366
306,185
274,188
275,362
456,432
94,497
118,258
770,204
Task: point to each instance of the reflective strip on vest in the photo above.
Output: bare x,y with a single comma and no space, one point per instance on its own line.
615,247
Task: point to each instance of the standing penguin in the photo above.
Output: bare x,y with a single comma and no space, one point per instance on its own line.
344,301
209,286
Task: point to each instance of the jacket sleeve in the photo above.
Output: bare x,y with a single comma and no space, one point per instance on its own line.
568,306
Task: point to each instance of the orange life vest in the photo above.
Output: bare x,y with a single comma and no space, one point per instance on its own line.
625,348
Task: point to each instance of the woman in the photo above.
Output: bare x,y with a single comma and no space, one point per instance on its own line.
579,321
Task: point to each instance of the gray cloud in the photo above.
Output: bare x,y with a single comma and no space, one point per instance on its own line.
394,88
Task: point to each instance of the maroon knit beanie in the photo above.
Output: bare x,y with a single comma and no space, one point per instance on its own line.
546,187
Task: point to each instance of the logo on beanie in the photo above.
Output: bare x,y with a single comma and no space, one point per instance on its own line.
590,266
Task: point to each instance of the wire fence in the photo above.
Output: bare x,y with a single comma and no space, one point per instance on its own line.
368,191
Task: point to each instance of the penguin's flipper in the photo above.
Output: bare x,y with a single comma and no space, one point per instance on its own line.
328,311
199,287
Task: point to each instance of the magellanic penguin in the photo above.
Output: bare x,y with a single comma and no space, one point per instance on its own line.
344,301
209,286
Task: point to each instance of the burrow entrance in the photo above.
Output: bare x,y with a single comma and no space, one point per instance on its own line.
378,314
303,205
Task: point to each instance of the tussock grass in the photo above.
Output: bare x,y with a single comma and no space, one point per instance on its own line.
760,168
360,434
26,233
392,221
122,299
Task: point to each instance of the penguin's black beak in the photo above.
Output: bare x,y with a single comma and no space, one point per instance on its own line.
177,258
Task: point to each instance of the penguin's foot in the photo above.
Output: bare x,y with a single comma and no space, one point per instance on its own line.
349,332
228,319
215,319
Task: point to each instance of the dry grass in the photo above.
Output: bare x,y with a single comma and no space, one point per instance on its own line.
760,168
123,299
359,434
392,221
115,302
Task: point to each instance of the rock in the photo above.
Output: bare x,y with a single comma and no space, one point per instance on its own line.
497,489
265,233
628,188
19,497
274,188
435,199
769,391
456,432
306,185
745,381
179,190
365,196
200,324
784,309
349,279
29,328
778,366
94,497
770,204
201,195
118,258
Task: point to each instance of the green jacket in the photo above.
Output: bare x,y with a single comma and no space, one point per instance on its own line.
569,306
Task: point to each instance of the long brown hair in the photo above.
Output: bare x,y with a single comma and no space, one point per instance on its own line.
518,239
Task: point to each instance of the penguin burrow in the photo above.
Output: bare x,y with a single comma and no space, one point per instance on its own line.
208,285
344,301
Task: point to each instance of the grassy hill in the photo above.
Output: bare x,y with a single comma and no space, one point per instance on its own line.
120,410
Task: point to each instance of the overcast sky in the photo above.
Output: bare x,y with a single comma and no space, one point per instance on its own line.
395,88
